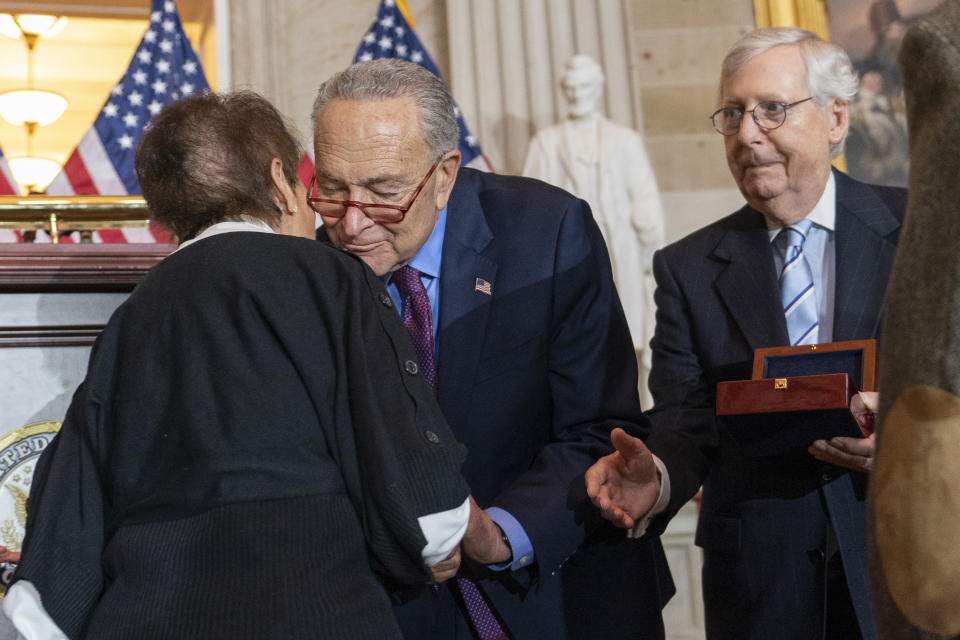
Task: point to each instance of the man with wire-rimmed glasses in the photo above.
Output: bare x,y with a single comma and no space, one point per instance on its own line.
505,286
806,261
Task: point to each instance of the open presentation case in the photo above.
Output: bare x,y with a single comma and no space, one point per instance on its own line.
797,395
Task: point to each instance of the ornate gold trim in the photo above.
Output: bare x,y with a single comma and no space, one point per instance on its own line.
26,431
11,530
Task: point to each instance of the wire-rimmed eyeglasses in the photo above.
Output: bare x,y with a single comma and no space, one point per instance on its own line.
768,115
378,212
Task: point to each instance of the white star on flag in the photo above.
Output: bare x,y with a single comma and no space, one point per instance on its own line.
130,119
110,110
166,46
150,35
140,77
189,68
154,108
145,56
385,42
126,141
163,66
168,26
159,86
135,98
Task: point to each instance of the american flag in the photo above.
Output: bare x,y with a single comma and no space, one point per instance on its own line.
483,286
163,69
392,36
8,186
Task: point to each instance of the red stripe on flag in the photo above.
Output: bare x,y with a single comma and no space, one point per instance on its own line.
6,188
77,174
112,236
161,234
306,170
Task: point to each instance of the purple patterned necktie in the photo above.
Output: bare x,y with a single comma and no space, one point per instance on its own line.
419,323
418,320
484,622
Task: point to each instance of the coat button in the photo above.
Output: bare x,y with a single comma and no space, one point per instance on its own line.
385,300
411,367
816,556
431,437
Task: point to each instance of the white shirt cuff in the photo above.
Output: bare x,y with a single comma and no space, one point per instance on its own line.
659,506
443,532
24,609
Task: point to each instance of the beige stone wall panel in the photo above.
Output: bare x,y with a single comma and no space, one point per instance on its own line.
682,55
679,110
656,14
689,162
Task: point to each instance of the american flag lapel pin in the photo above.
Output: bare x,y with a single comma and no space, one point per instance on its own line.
483,286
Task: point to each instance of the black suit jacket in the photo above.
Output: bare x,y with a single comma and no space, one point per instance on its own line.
532,378
763,525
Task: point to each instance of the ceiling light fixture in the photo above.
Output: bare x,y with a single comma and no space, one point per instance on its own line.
32,107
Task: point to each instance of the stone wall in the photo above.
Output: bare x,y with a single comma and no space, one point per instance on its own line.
676,51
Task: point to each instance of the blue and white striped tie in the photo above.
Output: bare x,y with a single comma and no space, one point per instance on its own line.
796,285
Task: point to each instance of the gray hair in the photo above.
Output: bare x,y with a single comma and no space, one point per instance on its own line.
391,78
830,73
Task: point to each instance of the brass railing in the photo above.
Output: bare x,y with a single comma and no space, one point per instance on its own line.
60,214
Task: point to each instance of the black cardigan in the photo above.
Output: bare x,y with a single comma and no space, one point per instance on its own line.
248,453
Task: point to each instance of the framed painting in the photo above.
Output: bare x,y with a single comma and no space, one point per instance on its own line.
870,31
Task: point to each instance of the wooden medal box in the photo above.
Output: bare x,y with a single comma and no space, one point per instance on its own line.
797,395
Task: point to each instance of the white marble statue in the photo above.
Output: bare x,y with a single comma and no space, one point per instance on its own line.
606,164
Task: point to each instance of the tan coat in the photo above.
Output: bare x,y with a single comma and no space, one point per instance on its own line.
915,488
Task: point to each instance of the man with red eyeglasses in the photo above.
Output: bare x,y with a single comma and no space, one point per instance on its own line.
505,286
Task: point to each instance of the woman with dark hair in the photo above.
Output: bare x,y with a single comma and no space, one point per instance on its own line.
251,453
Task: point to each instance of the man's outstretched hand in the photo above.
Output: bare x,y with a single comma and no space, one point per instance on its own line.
625,484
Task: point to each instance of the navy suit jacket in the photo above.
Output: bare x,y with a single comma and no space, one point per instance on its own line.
532,377
762,525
